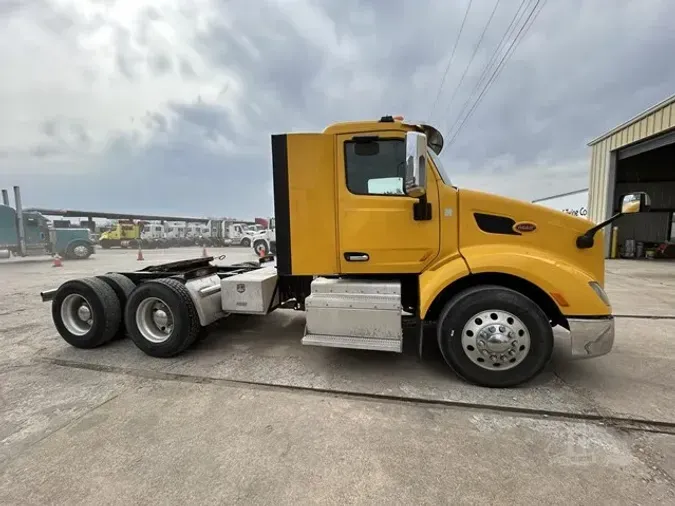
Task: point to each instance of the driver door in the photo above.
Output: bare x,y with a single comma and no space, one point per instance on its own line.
377,230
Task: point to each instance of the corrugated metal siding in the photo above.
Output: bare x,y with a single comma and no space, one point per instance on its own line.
656,122
650,227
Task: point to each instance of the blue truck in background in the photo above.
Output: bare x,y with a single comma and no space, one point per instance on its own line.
29,234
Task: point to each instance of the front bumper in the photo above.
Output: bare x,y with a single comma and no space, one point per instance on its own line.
591,337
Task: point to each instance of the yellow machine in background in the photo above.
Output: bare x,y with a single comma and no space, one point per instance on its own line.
373,238
123,234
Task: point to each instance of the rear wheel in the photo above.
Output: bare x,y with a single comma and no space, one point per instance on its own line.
161,318
122,286
494,336
86,312
246,242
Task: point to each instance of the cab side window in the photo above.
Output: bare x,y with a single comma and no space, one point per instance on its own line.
375,166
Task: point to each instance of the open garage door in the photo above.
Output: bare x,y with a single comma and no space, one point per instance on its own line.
647,166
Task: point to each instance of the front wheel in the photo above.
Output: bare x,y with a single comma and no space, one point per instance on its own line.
246,243
79,251
260,247
494,336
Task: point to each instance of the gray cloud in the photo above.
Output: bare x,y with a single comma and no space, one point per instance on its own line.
582,69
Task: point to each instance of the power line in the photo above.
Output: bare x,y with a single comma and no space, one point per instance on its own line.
514,45
523,30
488,66
473,55
452,56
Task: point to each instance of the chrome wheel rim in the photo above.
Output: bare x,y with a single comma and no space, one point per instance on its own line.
81,251
496,340
260,249
76,314
154,320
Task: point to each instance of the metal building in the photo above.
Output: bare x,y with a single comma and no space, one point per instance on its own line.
638,155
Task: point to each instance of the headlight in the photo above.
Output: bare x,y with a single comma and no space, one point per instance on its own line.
599,292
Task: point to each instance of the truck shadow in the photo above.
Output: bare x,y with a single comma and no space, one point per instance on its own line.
278,336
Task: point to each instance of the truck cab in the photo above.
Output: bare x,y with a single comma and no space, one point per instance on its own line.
28,233
370,209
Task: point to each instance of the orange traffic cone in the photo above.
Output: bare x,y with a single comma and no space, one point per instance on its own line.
204,253
139,257
57,261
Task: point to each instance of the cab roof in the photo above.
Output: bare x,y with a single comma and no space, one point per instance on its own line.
393,123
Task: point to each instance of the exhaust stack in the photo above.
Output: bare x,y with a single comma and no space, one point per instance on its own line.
5,197
19,219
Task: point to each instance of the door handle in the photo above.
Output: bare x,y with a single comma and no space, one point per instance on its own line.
353,256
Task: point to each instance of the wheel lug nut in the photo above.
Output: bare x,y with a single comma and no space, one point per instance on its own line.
493,358
481,344
502,329
492,330
514,343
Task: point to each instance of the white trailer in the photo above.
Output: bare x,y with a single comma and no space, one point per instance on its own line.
574,203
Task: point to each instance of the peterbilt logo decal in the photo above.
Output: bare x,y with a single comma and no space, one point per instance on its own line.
525,226
241,287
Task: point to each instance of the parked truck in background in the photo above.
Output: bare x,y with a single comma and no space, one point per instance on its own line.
372,238
122,234
28,233
264,241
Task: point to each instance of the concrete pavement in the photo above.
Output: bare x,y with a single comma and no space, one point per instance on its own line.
114,426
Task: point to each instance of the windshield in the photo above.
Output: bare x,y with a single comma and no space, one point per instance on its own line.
439,165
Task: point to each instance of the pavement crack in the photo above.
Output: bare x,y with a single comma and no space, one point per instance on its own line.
608,420
647,458
646,316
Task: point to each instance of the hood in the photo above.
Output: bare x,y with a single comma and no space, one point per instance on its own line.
487,218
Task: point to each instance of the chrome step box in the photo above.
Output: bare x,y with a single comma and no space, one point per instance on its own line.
358,314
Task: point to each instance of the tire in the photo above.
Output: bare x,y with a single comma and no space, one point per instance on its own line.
245,243
132,244
104,243
104,308
122,286
79,250
471,314
260,247
172,296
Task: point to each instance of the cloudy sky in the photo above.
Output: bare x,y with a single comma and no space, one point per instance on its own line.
167,106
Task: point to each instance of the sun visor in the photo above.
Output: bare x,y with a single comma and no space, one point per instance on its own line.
434,137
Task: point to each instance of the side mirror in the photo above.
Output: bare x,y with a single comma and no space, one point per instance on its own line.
416,164
638,202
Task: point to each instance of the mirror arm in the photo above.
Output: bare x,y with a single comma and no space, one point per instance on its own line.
585,241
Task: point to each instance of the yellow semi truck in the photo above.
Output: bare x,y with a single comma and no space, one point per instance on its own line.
372,238
123,234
